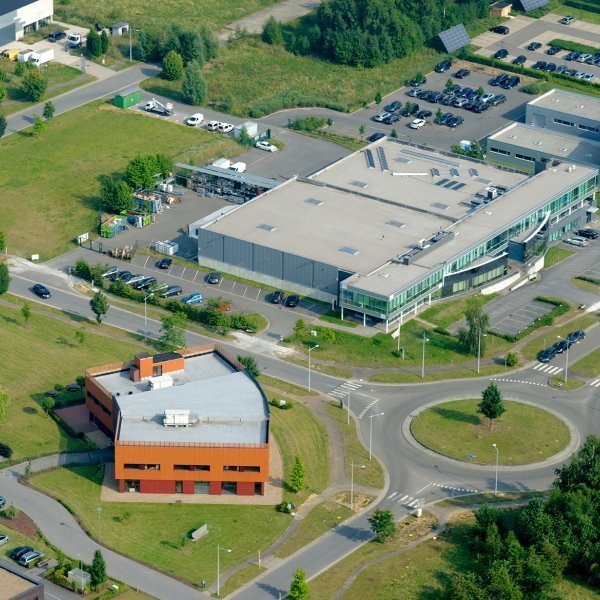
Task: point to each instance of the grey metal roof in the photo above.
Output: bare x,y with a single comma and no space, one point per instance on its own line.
7,6
570,103
233,175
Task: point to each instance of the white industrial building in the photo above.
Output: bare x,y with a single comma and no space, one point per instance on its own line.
19,17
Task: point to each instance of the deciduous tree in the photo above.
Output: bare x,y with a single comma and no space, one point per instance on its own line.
99,305
4,402
115,196
48,404
473,337
49,110
491,405
142,171
299,589
271,33
93,44
383,525
26,313
4,278
34,85
172,66
251,365
3,125
193,90
38,126
172,334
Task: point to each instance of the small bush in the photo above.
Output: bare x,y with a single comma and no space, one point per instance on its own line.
512,359
308,124
5,450
533,88
442,331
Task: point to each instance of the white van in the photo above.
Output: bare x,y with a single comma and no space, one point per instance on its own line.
238,167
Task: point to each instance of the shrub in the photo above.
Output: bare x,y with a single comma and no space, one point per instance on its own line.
172,66
512,359
533,88
5,450
308,124
442,331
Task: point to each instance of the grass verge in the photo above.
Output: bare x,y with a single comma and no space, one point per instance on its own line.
406,377
60,207
556,255
572,383
327,369
239,578
284,386
489,498
524,434
444,314
584,15
588,365
333,316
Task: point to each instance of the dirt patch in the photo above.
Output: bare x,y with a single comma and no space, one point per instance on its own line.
21,523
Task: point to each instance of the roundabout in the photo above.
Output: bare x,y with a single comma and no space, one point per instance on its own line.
525,433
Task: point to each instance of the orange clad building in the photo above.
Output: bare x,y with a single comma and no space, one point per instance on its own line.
189,422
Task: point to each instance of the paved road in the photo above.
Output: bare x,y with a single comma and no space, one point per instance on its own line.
417,475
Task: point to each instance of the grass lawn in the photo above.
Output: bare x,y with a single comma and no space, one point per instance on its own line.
586,285
153,532
572,383
239,578
60,359
531,349
333,316
355,452
589,365
444,314
489,498
212,13
584,15
284,386
62,188
524,433
555,255
414,377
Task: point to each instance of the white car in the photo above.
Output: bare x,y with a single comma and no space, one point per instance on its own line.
577,241
266,146
225,127
588,77
486,97
213,125
417,123
194,120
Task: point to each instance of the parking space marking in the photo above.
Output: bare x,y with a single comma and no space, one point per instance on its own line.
595,383
147,259
258,293
233,286
196,275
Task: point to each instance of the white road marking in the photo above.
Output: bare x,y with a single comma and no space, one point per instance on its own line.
423,488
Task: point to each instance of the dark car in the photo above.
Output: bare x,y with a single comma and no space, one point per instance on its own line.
414,93
499,79
56,36
436,97
292,301
462,73
277,297
520,60
19,551
511,82
215,277
548,354
443,119
42,291
391,119
376,136
144,284
444,66
572,55
576,336
425,94
501,29
395,105
121,275
417,81
165,263
410,111
553,50
496,100
502,53
455,121
534,46
448,100
128,277
590,234
2,501
172,290
563,346
424,114
480,107
549,68
465,92
539,65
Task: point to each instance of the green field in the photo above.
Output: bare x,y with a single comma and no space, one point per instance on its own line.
61,188
444,314
556,255
585,15
524,433
141,15
589,365
35,358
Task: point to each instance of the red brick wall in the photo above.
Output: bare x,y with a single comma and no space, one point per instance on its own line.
245,488
156,487
215,488
188,487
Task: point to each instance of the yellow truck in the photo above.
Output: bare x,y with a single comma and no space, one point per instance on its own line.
10,53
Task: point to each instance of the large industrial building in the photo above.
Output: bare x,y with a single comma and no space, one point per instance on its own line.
20,17
388,228
190,422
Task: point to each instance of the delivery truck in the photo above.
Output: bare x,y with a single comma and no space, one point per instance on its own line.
42,56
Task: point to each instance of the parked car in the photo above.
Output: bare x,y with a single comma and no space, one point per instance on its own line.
409,112
588,77
194,298
127,278
42,291
572,55
215,278
414,93
135,278
577,241
17,552
376,136
381,116
172,290
121,275
391,119
583,57
417,123
567,20
549,68
448,100
539,65
534,46
455,121
460,102
496,100
436,97
501,29
462,73
277,297
194,120
292,301
424,114
266,146
213,125
548,354
520,60
486,97
112,269
553,50
499,79
395,105
31,558
443,119
57,36
145,284
3,539
511,82
563,346
224,127
165,263
561,69
444,66
590,234
502,53
576,336
2,501
417,81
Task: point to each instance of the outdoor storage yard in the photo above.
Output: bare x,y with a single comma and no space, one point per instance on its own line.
54,195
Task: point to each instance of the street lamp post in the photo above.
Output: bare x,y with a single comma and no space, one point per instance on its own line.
496,482
309,351
130,48
219,550
371,417
352,467
567,362
479,350
99,511
146,317
425,339
348,422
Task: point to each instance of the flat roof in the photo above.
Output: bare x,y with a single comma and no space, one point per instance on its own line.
12,584
569,102
565,147
225,405
358,216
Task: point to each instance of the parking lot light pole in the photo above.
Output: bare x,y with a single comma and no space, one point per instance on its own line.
348,422
99,510
352,467
496,482
309,351
130,47
479,350
371,417
146,318
425,339
219,550
567,362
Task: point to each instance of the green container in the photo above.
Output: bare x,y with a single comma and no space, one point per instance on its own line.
128,98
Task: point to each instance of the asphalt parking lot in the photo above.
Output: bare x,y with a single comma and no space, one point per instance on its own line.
521,317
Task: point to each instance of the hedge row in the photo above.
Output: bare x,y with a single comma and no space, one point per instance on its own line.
588,279
573,46
588,5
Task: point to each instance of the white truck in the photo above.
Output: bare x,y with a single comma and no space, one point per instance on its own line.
42,56
166,110
24,55
74,40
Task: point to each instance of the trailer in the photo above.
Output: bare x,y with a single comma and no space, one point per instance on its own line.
25,55
166,110
41,57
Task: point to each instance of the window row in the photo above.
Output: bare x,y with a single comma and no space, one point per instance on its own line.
156,467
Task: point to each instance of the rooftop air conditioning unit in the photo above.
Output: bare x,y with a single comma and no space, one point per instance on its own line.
491,193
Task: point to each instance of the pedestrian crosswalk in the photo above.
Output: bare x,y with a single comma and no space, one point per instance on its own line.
508,380
595,383
341,391
405,500
409,501
550,369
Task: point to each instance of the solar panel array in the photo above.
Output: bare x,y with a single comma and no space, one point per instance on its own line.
382,159
370,160
454,38
529,5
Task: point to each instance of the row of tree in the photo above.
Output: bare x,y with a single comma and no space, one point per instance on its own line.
369,33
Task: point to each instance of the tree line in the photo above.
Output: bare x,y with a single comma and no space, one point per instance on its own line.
369,33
